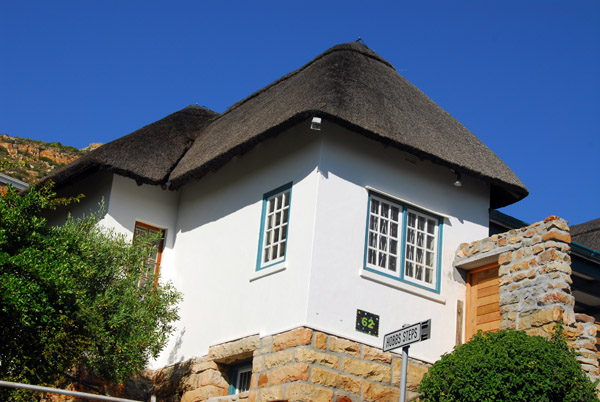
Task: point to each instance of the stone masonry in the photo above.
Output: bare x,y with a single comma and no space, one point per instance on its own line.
535,277
298,365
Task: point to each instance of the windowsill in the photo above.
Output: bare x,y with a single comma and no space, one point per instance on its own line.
273,269
397,284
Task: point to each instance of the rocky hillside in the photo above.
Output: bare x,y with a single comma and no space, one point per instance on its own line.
29,160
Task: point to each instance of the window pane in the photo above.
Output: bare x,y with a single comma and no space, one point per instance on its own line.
429,261
395,213
430,242
372,256
276,234
394,229
411,220
373,223
431,224
384,227
410,238
392,261
271,205
282,249
410,253
372,239
270,222
420,237
286,198
382,259
374,206
419,256
285,215
385,210
382,243
278,218
419,272
283,232
420,223
428,275
393,246
410,269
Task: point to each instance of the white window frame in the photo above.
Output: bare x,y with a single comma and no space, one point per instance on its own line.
383,244
274,227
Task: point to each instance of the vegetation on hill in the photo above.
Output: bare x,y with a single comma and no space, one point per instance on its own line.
30,160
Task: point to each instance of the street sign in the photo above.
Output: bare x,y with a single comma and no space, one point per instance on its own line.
407,335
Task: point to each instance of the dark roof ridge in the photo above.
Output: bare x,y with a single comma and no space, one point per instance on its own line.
349,46
587,227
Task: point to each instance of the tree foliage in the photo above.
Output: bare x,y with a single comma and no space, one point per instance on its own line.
69,295
508,366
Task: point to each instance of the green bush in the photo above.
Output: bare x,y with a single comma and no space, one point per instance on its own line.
508,366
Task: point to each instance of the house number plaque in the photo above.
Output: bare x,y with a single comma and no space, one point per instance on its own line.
367,322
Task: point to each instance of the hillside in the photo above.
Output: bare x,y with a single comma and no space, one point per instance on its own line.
29,160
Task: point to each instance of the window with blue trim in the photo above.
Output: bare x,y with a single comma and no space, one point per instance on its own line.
403,242
240,378
274,226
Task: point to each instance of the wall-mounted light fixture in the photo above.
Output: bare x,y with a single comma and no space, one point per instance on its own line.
458,182
315,124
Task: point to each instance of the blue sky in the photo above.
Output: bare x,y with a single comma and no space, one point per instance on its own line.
524,76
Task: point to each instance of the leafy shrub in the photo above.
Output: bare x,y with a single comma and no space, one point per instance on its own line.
508,366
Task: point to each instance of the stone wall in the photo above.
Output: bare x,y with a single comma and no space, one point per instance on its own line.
297,365
535,277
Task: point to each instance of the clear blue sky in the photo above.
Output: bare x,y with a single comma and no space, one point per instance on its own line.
524,76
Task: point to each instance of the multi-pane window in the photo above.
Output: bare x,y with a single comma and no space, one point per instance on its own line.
151,266
402,242
274,226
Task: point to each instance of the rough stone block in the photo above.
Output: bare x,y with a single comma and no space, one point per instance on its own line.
271,393
295,372
234,351
331,379
213,377
202,364
321,341
279,359
203,393
505,258
263,380
307,355
376,355
380,393
558,235
414,374
295,337
370,371
304,392
343,345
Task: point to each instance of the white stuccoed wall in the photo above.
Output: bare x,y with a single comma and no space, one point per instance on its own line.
338,285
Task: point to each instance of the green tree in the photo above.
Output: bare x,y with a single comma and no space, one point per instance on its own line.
509,366
69,295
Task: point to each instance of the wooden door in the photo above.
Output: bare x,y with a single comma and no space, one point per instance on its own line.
483,296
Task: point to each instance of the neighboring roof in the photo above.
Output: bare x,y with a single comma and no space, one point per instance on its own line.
356,88
16,183
147,155
587,233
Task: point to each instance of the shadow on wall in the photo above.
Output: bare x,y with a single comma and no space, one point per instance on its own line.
175,350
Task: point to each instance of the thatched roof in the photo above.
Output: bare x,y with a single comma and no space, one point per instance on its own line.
349,84
587,234
356,88
147,155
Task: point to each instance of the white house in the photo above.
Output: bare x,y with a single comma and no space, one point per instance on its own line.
328,196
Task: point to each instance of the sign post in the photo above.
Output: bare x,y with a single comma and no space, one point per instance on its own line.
403,338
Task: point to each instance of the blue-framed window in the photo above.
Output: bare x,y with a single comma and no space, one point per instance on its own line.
240,377
274,226
403,242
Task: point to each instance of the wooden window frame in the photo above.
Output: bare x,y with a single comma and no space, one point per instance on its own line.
148,228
